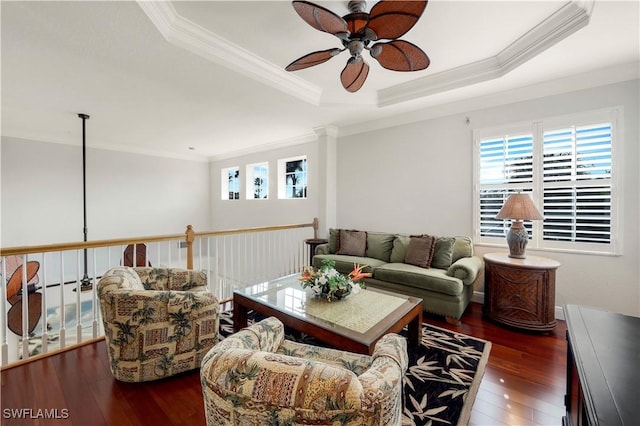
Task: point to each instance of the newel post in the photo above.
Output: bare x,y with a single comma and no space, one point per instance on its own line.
191,235
316,224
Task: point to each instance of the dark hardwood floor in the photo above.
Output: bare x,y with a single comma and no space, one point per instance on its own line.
523,384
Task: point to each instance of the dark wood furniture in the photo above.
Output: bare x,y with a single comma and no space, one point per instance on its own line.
313,243
603,379
520,292
353,324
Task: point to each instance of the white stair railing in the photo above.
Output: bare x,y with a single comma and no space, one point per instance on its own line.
60,312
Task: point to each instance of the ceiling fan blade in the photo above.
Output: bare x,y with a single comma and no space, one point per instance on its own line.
320,18
392,19
354,74
400,55
313,58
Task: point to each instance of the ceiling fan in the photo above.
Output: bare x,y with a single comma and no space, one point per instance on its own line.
387,20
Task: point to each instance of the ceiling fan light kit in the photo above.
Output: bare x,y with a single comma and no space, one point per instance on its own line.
388,20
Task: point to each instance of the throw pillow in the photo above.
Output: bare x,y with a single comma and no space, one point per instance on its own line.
420,251
399,251
352,243
462,248
379,245
333,240
443,254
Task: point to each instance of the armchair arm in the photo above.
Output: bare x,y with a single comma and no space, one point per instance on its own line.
393,346
390,361
187,280
466,269
382,382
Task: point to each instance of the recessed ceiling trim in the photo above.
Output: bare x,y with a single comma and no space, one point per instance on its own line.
270,146
186,34
571,17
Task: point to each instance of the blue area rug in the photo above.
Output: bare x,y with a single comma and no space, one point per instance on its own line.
443,377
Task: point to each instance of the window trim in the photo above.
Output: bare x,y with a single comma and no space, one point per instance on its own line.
224,183
250,177
282,184
536,128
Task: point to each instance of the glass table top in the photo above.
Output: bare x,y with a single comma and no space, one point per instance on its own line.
357,312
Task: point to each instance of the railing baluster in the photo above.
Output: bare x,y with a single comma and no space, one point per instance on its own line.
78,302
63,320
3,312
25,309
94,298
45,331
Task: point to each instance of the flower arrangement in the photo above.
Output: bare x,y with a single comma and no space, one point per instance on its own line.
328,282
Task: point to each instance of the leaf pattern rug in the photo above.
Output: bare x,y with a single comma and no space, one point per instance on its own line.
443,377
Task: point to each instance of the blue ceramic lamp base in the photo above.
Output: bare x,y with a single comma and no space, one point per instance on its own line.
517,239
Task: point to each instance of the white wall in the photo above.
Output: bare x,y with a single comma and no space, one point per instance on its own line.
243,213
128,195
411,178
418,178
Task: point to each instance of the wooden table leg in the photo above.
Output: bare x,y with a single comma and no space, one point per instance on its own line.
414,330
239,316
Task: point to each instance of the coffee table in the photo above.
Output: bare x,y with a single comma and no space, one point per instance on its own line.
353,324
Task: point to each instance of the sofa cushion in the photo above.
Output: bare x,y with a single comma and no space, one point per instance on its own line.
399,251
379,245
420,250
345,263
462,248
410,275
443,253
352,243
333,240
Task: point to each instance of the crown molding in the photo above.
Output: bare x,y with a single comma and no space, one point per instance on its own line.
120,148
329,130
284,143
188,35
583,81
565,21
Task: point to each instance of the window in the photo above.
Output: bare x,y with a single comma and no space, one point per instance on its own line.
567,165
230,183
292,177
258,181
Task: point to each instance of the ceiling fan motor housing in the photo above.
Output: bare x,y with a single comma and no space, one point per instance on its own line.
356,6
356,47
387,20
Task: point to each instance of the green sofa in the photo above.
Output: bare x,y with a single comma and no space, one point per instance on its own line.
446,287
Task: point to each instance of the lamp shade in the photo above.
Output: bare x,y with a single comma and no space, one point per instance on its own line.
519,206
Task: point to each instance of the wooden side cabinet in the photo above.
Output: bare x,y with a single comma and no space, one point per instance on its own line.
602,368
520,293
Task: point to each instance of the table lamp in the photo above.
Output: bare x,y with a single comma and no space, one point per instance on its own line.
518,207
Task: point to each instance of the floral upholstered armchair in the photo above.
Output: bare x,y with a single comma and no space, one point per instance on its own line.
157,321
258,377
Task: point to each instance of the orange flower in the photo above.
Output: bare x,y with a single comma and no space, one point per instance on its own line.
306,275
357,274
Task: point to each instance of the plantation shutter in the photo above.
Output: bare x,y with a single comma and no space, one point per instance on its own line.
577,183
506,164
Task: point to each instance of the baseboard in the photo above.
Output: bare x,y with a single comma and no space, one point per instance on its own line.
478,297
